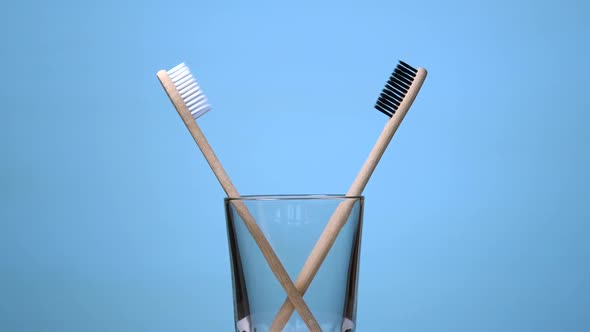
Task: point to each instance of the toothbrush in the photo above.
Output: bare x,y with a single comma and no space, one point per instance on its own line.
190,103
395,100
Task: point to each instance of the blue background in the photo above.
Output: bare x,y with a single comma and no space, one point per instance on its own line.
476,218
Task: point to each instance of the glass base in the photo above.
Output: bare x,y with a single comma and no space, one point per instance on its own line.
245,325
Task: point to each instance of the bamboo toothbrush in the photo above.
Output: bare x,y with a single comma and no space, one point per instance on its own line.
395,101
190,103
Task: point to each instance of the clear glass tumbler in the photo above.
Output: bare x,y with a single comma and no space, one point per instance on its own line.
292,224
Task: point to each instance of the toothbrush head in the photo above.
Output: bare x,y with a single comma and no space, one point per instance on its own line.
396,88
188,89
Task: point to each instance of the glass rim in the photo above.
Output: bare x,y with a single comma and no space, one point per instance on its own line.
277,197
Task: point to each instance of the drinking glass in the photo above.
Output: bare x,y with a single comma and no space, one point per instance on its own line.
292,224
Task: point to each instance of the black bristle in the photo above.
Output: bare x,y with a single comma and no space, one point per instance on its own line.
403,76
396,88
412,69
402,81
384,108
389,102
407,71
404,85
392,95
383,102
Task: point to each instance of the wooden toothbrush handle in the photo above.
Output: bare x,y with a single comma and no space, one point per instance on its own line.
338,219
273,261
389,130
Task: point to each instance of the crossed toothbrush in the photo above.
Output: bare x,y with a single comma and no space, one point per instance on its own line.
395,100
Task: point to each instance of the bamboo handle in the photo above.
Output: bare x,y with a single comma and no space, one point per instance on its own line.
389,130
267,251
338,219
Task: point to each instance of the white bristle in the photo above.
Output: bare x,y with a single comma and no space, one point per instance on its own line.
195,101
188,88
181,86
176,68
198,107
183,80
190,91
179,75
